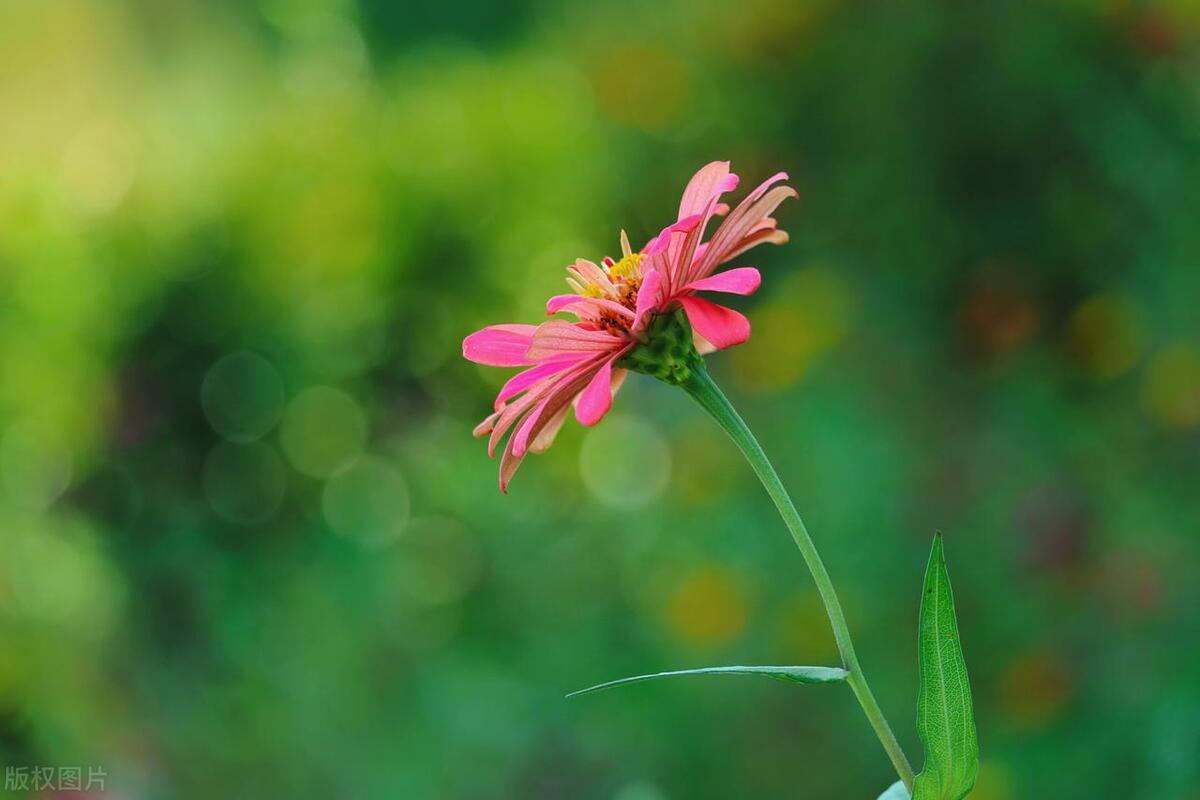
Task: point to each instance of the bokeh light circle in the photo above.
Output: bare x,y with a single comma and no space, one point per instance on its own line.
246,483
35,466
323,431
55,573
439,563
625,461
1171,387
368,502
242,397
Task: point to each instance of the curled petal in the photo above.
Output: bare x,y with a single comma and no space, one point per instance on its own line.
499,345
721,326
659,243
748,218
713,179
489,422
743,280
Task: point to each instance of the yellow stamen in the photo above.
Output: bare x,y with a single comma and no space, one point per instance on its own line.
627,267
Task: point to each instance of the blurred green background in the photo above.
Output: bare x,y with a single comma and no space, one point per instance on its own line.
248,547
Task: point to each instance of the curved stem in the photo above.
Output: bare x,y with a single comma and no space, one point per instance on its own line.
701,387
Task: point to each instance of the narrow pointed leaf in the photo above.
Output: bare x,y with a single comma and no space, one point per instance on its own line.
896,792
945,720
793,674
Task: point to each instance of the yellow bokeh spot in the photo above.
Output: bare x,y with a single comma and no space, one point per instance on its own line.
97,166
1105,336
804,630
642,86
993,783
807,316
1171,390
1035,689
704,475
708,608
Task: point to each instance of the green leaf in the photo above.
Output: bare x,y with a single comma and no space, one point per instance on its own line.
793,674
945,720
896,792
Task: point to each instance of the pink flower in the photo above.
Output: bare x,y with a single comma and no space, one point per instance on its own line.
576,362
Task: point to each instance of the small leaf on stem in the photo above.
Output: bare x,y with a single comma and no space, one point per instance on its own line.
792,674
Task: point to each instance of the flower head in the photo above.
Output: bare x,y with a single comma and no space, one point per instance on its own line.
627,311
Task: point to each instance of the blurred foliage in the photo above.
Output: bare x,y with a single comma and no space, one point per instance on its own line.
249,548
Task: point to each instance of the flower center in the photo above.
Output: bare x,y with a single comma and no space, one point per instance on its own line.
627,268
616,282
624,280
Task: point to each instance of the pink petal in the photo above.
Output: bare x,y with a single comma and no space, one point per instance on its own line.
659,243
722,326
521,436
748,218
767,235
499,345
508,466
567,383
590,273
618,380
546,435
597,398
547,415
703,346
590,306
510,414
647,298
559,301
559,337
680,255
743,280
712,179
485,427
523,380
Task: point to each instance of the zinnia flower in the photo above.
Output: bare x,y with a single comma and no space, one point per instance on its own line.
620,309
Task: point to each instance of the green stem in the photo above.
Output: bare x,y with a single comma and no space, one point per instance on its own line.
701,387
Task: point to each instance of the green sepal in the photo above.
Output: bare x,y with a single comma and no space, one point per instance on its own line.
667,351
